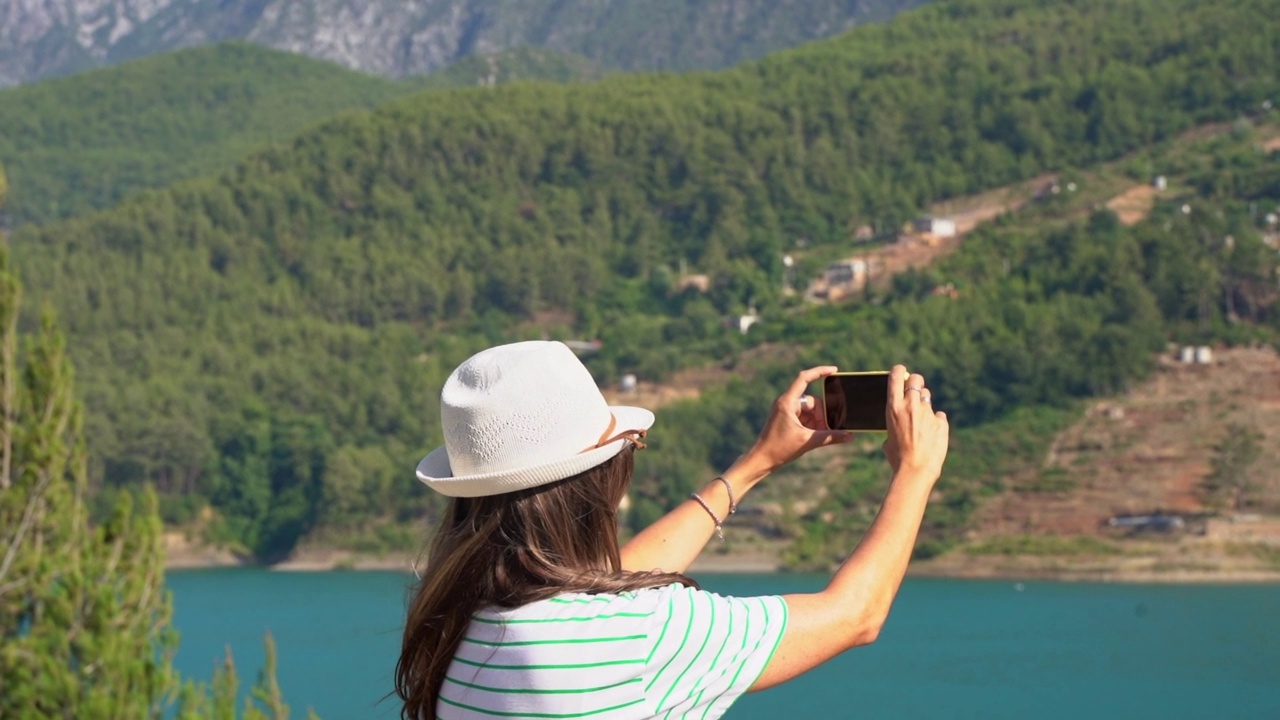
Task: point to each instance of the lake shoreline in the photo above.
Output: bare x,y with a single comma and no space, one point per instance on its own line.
1010,568
1113,650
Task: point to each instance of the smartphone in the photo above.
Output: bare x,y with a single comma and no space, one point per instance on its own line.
856,400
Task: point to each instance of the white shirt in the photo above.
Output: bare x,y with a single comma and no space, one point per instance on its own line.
661,652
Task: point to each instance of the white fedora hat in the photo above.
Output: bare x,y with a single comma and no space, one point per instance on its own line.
523,415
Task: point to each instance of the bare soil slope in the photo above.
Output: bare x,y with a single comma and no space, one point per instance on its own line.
1145,452
1149,450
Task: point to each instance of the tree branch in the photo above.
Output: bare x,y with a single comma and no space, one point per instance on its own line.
28,514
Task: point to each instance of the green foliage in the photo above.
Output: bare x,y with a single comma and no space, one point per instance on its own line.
1042,545
1070,319
980,459
218,699
1230,477
253,339
84,613
1268,554
1052,480
84,142
1045,316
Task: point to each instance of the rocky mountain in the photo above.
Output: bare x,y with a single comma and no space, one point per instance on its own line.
43,38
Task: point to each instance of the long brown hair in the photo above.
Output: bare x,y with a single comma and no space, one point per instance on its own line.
510,550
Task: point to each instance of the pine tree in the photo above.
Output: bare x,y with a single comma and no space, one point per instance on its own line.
84,614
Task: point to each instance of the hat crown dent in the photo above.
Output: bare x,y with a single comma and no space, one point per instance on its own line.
520,405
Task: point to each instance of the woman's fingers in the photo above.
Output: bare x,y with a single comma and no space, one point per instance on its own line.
807,409
914,388
809,406
918,435
812,413
804,378
897,382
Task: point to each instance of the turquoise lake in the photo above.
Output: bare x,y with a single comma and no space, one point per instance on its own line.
951,649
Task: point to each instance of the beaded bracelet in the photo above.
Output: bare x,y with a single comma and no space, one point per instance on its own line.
716,520
733,506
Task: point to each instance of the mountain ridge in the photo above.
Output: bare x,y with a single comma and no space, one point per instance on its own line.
398,39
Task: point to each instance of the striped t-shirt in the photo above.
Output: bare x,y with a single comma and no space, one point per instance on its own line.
671,652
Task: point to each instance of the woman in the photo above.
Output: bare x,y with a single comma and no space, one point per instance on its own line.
529,607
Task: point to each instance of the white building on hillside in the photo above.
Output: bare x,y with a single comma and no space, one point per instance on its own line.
940,227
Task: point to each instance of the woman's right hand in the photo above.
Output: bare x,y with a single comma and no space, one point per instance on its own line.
918,435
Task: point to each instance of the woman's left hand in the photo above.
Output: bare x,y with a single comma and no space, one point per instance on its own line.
796,425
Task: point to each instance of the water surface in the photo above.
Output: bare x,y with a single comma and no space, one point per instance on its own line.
952,648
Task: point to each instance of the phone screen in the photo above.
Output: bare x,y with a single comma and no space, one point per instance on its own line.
856,401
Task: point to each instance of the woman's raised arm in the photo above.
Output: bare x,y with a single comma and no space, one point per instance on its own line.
855,604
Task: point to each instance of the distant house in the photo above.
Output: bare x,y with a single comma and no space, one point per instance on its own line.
949,291
941,227
844,272
701,283
864,232
1161,183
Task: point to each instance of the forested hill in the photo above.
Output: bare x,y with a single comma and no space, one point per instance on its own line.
272,340
58,37
81,143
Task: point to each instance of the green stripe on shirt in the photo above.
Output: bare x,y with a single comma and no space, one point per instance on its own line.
785,616
499,713
705,638
688,626
593,598
528,621
571,666
714,663
661,635
528,691
564,641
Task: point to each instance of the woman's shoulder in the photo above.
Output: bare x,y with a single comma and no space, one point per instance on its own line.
655,602
581,607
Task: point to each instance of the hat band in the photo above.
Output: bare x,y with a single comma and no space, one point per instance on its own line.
633,435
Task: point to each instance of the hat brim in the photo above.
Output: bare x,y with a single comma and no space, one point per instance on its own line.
435,471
